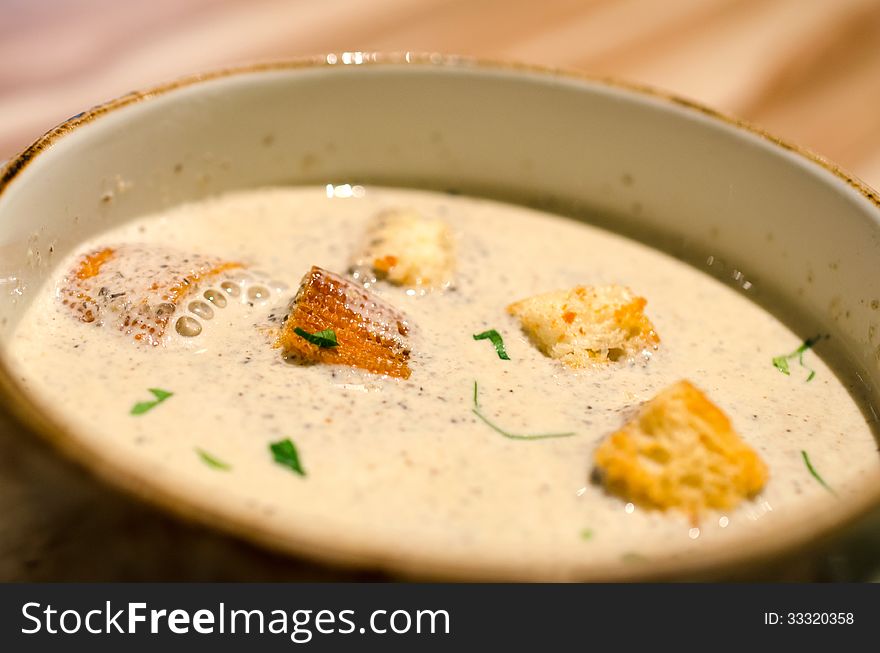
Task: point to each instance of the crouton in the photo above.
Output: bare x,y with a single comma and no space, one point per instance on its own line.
588,325
136,289
406,249
680,451
369,333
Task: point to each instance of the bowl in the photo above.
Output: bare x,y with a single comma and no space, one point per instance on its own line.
653,166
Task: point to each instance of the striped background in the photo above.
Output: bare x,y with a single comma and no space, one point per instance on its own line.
807,70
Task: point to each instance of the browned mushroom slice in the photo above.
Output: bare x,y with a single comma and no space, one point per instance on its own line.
369,333
137,289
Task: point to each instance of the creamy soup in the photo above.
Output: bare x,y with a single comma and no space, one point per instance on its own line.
404,469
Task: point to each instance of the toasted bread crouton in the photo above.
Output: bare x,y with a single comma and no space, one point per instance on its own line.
136,289
587,325
370,334
407,249
681,452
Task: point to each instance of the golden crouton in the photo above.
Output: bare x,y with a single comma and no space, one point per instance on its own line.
406,249
587,325
136,289
361,330
680,451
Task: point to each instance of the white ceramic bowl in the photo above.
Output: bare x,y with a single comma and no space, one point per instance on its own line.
660,167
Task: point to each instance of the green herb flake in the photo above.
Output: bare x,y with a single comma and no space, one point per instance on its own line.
513,436
587,534
781,362
497,341
143,406
211,461
285,454
632,557
324,339
815,474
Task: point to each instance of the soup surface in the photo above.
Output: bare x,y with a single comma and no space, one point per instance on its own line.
403,469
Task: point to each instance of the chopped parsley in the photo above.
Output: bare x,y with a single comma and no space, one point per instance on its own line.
632,556
781,362
143,406
815,474
324,339
211,461
495,338
513,436
285,454
587,534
